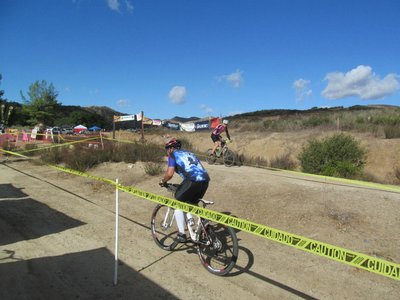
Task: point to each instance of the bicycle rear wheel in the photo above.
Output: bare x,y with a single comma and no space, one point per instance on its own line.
163,227
221,255
229,158
210,158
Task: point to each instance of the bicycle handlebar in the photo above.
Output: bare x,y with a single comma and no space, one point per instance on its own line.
172,187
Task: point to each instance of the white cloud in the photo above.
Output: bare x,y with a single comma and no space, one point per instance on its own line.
207,109
177,94
301,89
360,82
123,103
129,6
234,79
113,4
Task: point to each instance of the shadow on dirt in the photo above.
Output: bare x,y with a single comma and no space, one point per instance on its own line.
23,218
82,275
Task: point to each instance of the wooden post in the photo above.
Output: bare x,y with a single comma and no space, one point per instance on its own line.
113,129
142,128
101,140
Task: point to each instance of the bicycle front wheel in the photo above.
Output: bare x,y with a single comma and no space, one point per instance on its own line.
229,158
163,227
220,256
210,158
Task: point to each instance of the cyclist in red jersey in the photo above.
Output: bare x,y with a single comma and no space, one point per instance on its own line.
216,135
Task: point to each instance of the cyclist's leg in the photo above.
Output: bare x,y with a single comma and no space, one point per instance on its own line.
180,220
217,143
201,190
182,194
189,192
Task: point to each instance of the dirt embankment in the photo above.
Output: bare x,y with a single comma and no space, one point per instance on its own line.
382,154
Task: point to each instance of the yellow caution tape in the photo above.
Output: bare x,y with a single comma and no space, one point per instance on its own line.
359,260
58,145
379,186
352,258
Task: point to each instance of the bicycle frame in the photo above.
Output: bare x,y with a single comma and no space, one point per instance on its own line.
194,231
222,149
216,244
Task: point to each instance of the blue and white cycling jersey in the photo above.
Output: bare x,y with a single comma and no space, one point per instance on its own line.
188,166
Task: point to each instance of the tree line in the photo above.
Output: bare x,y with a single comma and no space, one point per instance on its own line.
41,106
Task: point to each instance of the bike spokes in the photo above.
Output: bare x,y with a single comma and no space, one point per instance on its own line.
163,227
219,257
229,158
210,158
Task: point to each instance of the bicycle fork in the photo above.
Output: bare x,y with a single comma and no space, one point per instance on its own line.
168,219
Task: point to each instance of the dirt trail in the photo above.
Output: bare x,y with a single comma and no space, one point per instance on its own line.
57,237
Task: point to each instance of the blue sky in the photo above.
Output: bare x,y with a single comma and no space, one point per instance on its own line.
199,58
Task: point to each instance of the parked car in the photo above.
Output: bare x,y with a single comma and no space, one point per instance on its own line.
56,130
67,130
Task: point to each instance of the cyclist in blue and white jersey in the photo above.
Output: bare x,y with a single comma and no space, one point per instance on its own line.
194,184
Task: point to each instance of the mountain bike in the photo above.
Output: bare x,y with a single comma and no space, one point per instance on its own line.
228,156
216,244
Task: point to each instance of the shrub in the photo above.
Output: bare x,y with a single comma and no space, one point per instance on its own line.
397,172
152,168
283,162
186,144
254,161
52,155
30,149
8,146
82,160
80,157
148,152
392,131
315,121
339,155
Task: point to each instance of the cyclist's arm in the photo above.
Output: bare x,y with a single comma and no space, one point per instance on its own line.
168,174
170,170
227,133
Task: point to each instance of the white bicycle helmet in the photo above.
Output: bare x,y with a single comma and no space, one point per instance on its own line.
225,121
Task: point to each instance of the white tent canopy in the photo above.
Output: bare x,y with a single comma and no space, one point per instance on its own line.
79,128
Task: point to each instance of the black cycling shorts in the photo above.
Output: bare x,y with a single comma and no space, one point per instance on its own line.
191,191
215,138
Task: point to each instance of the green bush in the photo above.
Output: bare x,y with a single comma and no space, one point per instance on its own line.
339,155
315,121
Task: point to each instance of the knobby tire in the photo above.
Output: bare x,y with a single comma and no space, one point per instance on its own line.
164,236
210,158
220,257
229,158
